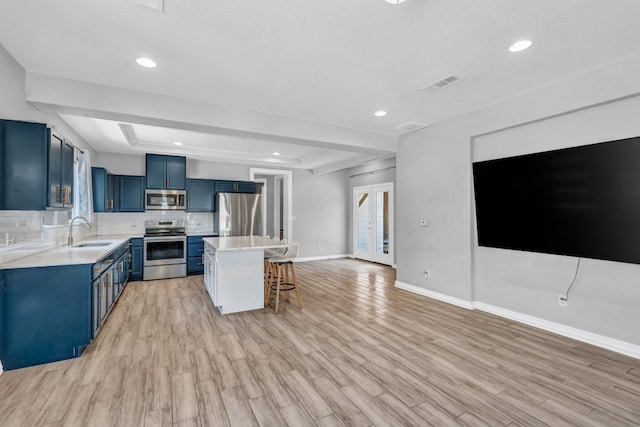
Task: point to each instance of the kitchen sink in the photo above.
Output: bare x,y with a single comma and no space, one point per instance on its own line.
92,244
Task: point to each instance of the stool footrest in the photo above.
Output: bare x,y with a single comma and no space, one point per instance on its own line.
283,286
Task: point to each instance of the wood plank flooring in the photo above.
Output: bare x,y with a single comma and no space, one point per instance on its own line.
359,353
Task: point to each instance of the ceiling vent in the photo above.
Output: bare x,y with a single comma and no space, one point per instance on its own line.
410,127
441,84
157,5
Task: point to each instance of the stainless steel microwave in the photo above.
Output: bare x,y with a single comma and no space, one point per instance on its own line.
163,200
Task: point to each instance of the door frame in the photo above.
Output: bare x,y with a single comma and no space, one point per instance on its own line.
387,259
287,213
263,203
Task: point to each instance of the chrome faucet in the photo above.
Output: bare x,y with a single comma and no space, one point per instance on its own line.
70,240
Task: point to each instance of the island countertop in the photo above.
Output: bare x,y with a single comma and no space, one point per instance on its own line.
239,243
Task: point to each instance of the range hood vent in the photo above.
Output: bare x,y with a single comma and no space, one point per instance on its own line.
410,127
441,84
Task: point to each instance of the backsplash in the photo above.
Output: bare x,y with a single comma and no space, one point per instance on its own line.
133,223
24,233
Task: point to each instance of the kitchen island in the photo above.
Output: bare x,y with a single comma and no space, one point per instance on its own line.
234,271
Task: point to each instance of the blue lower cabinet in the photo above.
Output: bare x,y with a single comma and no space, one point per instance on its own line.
136,259
45,314
195,265
195,250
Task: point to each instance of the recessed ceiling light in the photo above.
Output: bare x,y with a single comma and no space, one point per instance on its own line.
520,45
146,62
380,113
394,1
177,143
276,154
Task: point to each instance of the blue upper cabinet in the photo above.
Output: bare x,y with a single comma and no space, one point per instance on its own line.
223,186
117,193
200,195
103,190
166,172
23,165
176,173
130,193
60,173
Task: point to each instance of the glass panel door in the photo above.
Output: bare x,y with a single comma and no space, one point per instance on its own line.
364,223
373,223
382,222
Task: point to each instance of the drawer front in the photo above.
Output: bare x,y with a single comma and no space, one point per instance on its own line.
194,264
198,239
195,249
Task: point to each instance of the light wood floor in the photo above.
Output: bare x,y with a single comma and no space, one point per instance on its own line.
359,353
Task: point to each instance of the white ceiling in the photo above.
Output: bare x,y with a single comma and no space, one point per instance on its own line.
239,80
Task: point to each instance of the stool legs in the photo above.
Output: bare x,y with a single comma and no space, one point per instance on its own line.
280,272
295,283
278,282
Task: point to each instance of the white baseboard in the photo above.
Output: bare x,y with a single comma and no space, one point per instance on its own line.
321,258
435,295
602,341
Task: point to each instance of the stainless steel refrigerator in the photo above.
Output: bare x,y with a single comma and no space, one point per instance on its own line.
239,214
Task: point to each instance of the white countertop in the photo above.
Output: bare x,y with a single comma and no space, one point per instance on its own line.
65,255
238,243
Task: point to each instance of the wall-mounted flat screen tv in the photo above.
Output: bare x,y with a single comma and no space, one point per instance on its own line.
582,201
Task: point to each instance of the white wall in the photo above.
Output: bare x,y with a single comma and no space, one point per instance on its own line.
530,283
14,107
321,209
434,180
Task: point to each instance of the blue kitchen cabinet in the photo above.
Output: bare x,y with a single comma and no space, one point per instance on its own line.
195,251
130,194
108,280
117,193
224,186
200,194
166,172
136,259
59,173
23,165
45,314
103,183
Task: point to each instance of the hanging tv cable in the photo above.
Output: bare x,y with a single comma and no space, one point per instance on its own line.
575,276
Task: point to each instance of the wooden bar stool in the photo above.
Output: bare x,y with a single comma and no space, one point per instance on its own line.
280,266
269,273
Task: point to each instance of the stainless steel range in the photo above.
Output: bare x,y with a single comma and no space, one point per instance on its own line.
165,249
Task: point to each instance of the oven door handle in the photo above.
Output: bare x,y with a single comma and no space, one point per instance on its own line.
166,239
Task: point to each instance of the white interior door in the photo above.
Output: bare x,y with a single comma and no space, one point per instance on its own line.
373,223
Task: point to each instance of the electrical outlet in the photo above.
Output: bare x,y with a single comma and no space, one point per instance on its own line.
427,274
562,300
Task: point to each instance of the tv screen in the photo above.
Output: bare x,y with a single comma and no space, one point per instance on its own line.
582,201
